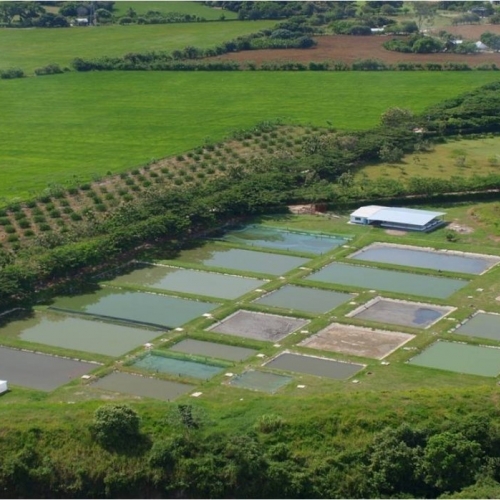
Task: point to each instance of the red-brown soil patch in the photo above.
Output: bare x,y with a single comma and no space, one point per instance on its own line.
350,48
472,31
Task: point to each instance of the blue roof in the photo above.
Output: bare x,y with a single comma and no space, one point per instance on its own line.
410,216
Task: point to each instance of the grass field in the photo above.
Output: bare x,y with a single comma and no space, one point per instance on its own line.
54,128
183,7
32,48
456,158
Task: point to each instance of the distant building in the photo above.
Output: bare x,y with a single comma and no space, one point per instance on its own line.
81,21
408,219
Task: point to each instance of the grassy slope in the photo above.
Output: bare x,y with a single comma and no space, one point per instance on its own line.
29,49
85,124
480,158
182,7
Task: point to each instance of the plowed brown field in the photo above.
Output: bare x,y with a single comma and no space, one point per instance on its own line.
349,48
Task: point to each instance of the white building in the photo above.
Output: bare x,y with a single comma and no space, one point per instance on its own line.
3,386
408,219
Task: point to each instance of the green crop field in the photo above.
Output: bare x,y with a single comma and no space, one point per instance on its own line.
191,8
54,128
30,49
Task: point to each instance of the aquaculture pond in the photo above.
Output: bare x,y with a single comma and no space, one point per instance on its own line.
283,239
216,255
461,358
483,325
213,350
179,367
259,326
312,365
260,381
187,281
442,260
397,312
304,299
78,334
391,281
136,385
40,371
136,307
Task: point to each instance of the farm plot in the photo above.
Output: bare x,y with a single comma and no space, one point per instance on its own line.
259,326
358,341
348,49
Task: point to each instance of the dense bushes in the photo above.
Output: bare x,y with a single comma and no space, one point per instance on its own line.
8,74
50,69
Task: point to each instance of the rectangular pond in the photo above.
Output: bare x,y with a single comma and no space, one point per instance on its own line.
187,281
135,307
147,387
390,281
482,325
443,260
259,326
213,350
461,358
40,371
304,299
260,381
399,312
282,239
178,367
214,255
79,334
357,341
311,365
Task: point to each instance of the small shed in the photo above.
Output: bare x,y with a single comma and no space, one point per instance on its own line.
408,219
3,386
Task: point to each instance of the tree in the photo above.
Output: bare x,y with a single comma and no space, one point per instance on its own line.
491,40
397,117
427,45
116,426
451,461
424,13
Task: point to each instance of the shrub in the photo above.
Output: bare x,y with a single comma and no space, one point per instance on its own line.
24,224
269,423
12,237
115,426
50,69
11,73
75,216
44,227
10,229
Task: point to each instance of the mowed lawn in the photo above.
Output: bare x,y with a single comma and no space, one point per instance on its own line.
58,127
183,7
31,48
